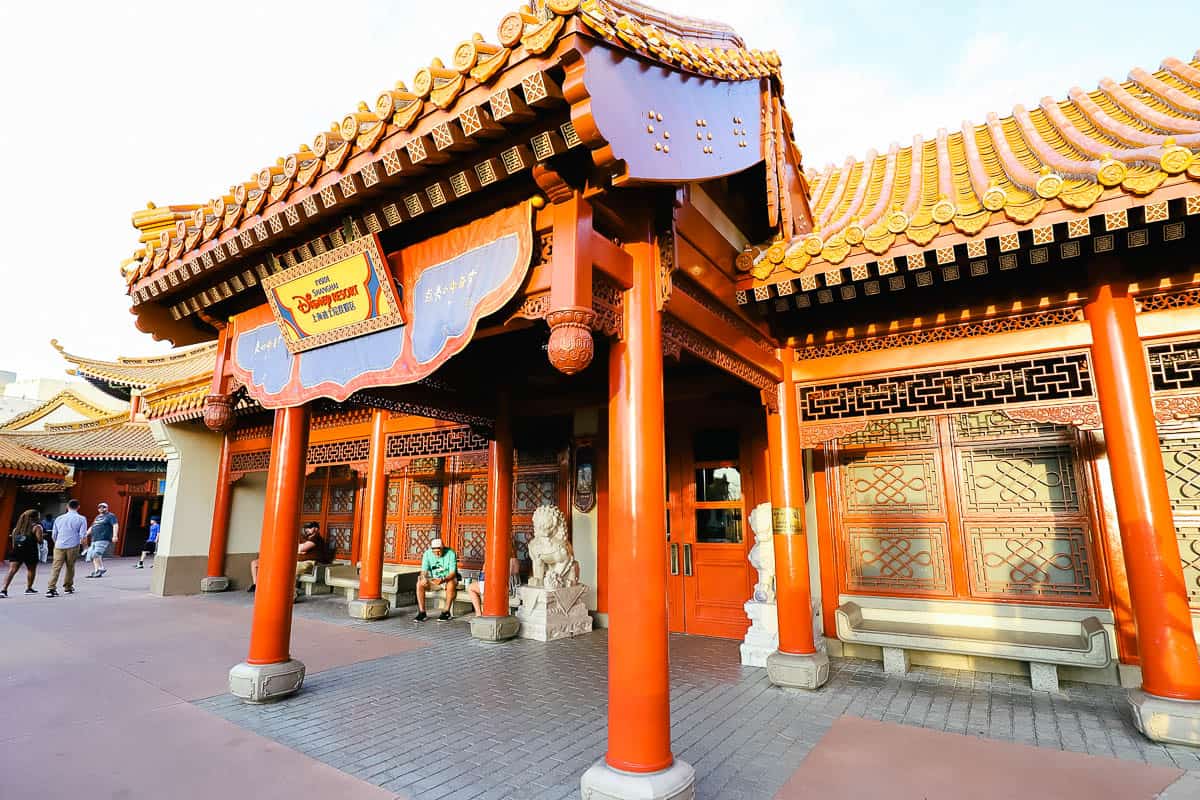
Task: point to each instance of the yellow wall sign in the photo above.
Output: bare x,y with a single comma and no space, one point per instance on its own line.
340,294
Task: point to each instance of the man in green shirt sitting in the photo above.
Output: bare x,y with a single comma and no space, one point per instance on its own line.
439,570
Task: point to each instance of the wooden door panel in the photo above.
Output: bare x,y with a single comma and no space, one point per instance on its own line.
717,590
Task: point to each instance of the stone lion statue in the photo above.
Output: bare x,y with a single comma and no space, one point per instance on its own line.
554,564
762,555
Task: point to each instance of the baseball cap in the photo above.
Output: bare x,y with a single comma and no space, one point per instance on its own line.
436,544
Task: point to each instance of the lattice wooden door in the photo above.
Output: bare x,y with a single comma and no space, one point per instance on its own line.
330,499
1181,460
971,506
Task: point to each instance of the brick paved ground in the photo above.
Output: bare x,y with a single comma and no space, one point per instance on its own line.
462,719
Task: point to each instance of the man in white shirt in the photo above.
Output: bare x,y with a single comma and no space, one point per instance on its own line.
69,530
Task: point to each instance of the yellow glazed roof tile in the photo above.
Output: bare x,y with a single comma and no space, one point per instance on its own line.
20,461
144,372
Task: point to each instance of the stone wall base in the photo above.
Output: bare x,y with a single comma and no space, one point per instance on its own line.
602,782
262,683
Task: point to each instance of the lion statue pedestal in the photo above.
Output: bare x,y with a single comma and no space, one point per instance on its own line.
763,637
552,605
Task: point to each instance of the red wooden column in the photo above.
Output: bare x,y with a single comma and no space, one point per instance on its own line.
1166,707
496,624
370,603
797,663
639,762
269,672
218,541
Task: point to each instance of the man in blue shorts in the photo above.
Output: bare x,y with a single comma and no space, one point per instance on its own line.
102,537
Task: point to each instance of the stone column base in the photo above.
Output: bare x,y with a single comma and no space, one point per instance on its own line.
368,609
495,629
262,683
217,584
602,782
1164,719
794,671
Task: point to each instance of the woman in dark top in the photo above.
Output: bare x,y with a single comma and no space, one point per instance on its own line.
23,549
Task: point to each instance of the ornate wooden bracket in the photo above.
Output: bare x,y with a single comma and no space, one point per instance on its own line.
815,435
1085,416
1172,408
570,315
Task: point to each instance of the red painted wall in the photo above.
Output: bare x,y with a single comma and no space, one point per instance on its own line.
93,488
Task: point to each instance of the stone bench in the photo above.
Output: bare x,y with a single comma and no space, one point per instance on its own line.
399,585
1009,632
313,581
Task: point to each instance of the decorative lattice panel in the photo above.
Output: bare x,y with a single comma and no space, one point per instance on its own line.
341,500
393,497
900,559
314,497
345,452
254,461
425,498
472,543
1019,480
522,536
890,484
992,424
1189,553
341,537
389,542
472,462
1053,378
417,539
533,490
1181,460
472,500
437,442
1034,561
898,430
1174,365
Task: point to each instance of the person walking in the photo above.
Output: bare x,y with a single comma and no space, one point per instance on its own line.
24,550
102,537
69,530
151,545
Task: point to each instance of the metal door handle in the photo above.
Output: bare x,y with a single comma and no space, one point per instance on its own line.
687,560
674,559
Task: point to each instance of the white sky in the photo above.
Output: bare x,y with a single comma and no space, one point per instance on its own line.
107,105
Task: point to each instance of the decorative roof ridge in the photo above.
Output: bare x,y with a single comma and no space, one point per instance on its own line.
175,355
1129,138
110,421
16,458
68,397
681,42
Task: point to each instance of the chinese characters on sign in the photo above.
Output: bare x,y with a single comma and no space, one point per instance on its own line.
448,289
344,293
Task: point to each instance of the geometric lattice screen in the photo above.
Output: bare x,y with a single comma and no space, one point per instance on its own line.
1181,460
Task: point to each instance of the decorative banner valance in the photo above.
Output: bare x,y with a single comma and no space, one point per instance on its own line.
448,283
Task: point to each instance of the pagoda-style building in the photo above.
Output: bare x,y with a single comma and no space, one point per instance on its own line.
581,263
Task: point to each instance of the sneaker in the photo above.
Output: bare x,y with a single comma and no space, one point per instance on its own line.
250,588
420,617
444,616
100,574
138,565
3,592
30,590
92,574
52,593
70,590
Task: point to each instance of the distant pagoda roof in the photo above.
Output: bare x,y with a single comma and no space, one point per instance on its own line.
67,398
118,377
112,438
1125,144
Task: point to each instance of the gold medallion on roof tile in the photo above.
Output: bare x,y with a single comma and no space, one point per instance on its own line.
813,244
423,82
943,211
1024,211
1144,183
776,252
542,37
897,221
1049,185
878,239
563,7
796,259
762,269
744,260
1193,169
1111,173
1174,159
854,233
994,198
836,249
1081,196
510,29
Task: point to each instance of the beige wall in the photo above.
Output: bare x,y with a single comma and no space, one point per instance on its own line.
192,453
583,526
245,526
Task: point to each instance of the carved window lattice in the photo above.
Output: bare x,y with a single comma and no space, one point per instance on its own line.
893,483
389,542
1188,537
341,538
473,543
344,452
901,559
1167,300
314,499
417,538
531,491
993,424
1174,365
522,536
900,430
1181,461
341,500
473,498
966,330
436,442
1036,560
256,461
1045,379
1019,480
393,497
425,498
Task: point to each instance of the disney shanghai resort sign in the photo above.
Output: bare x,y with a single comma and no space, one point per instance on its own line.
338,295
334,325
